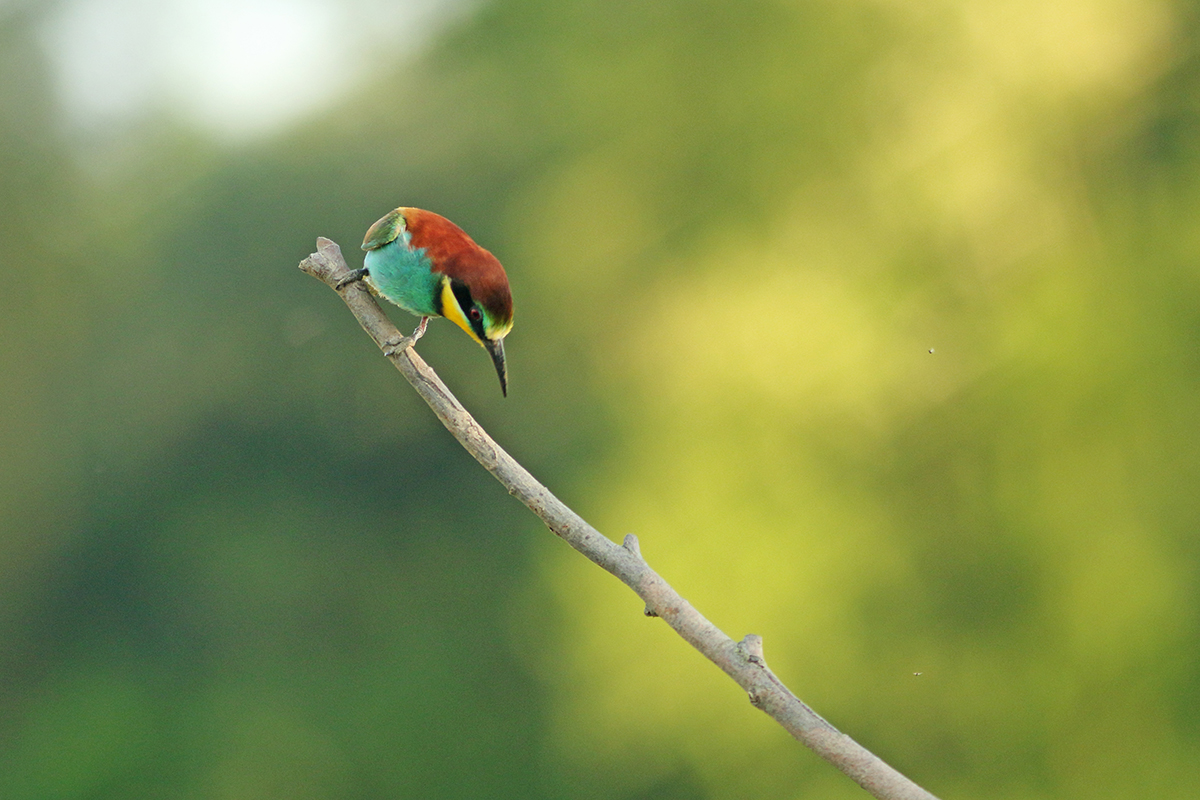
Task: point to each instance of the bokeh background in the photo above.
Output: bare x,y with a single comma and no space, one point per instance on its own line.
877,321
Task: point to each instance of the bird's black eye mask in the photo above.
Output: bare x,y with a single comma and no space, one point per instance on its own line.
474,316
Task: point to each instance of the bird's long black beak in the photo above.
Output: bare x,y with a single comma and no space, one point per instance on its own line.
495,348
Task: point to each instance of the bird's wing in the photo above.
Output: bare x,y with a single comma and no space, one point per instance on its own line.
384,231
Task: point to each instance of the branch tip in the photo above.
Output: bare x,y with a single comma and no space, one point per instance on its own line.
328,247
324,263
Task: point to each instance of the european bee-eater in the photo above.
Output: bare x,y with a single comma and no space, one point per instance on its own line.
429,266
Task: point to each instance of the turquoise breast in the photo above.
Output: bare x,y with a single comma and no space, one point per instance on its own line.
404,276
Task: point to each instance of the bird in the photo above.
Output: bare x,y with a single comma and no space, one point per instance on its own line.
430,267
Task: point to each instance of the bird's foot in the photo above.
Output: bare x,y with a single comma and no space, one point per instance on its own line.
393,348
353,277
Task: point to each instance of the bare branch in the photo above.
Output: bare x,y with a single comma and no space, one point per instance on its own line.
744,661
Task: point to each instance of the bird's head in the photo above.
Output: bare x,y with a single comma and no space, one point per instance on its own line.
486,316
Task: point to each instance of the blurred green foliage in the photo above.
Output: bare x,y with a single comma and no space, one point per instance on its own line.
878,322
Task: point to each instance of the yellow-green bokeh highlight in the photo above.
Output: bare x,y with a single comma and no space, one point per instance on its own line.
950,263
